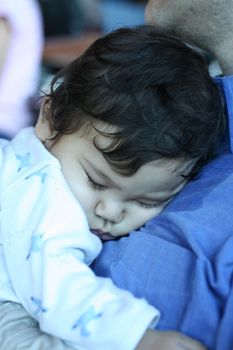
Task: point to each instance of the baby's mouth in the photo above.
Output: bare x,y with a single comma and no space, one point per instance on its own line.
104,236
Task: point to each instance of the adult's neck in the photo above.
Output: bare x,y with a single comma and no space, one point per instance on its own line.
224,54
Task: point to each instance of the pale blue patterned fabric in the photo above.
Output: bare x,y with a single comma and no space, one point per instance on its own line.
45,251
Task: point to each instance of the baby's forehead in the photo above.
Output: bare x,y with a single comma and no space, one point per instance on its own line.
176,166
98,130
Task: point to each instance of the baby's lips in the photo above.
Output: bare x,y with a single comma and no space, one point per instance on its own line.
104,236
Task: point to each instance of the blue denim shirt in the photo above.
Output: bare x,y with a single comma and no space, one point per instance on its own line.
182,260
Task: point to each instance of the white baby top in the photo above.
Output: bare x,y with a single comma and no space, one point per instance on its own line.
45,250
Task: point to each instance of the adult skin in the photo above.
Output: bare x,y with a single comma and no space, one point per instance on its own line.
207,23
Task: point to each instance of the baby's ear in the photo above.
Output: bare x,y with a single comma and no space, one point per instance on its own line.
43,128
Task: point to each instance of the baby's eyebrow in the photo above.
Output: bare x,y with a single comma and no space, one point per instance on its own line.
167,196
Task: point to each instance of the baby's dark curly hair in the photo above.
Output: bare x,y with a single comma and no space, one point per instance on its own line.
154,87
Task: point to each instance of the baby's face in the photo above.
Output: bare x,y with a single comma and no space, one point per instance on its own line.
114,204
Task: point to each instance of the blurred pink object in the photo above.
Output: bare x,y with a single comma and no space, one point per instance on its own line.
20,74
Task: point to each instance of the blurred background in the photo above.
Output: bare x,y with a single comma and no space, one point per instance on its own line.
39,37
70,17
69,26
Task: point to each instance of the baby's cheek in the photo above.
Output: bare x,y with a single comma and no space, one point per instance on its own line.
141,216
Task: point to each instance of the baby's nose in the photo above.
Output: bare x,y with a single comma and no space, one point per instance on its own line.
111,211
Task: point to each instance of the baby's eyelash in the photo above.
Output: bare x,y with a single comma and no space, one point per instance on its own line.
95,185
147,205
